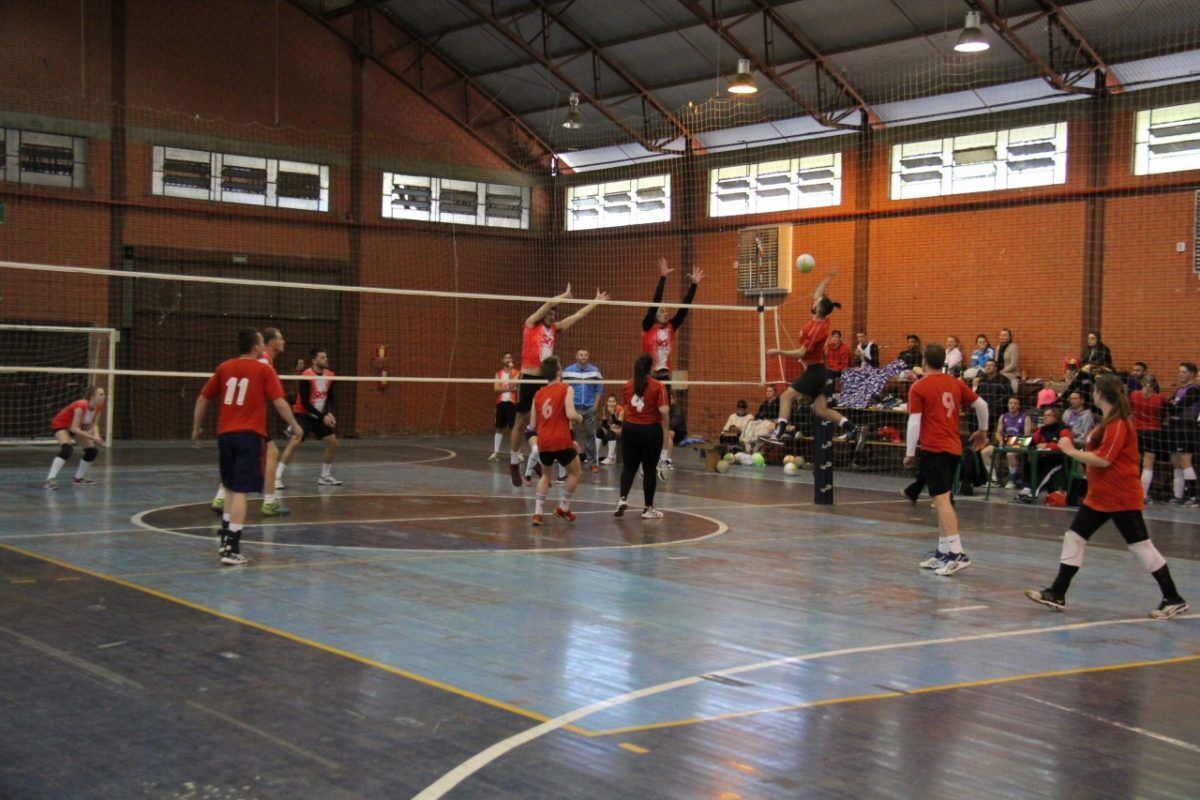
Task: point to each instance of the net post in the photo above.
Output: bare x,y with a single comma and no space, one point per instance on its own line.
113,338
762,340
822,456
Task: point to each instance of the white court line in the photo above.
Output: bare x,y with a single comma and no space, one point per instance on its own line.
477,762
341,521
68,533
960,608
1116,724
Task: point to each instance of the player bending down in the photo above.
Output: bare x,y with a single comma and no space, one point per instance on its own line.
243,385
314,412
554,411
78,422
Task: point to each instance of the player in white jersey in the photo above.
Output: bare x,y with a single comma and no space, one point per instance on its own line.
314,414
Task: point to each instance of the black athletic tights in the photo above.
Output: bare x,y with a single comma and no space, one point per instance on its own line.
641,445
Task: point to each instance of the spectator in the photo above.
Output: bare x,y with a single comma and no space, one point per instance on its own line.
1046,397
837,356
1012,427
587,400
1079,417
1096,354
1183,409
983,353
993,388
608,432
1133,383
1007,358
1050,465
954,357
912,356
768,408
735,426
866,352
1147,407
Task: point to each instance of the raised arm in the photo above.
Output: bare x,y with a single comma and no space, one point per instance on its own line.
819,292
544,309
681,314
583,312
652,311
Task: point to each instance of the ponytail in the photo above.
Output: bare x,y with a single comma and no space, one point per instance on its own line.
641,374
1112,389
825,306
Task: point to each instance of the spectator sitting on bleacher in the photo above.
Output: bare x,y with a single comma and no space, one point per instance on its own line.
1079,417
735,426
768,408
1096,353
1051,461
954,357
1008,359
912,356
837,356
1010,429
993,388
866,352
763,422
608,431
983,353
1133,383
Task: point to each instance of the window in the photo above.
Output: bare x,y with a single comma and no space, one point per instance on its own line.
784,185
447,200
981,162
227,178
639,201
1167,140
42,159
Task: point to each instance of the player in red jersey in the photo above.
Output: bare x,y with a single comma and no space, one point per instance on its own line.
314,411
241,387
645,416
537,344
810,386
1114,492
78,422
658,340
934,403
506,402
554,411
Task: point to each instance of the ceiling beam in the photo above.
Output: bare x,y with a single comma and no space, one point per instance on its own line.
763,67
1059,18
350,8
1049,73
549,65
582,38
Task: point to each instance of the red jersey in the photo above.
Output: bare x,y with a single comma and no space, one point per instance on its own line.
657,342
837,358
507,393
1147,411
266,359
644,410
318,391
64,418
812,339
1117,487
243,386
553,427
939,399
537,343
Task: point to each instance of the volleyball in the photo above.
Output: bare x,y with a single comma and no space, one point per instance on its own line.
805,262
790,468
722,467
730,458
759,460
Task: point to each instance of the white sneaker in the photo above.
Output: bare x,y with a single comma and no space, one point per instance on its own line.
608,461
664,471
1010,485
651,513
934,561
622,504
494,457
957,562
279,484
328,480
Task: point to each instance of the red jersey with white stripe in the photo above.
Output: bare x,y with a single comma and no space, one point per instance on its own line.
553,427
537,343
64,418
939,398
507,393
241,387
658,342
812,339
318,392
266,359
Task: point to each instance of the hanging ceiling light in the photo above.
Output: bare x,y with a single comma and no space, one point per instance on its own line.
574,121
743,82
971,39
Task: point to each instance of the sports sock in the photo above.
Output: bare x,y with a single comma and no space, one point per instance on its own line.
514,457
539,502
1163,576
279,470
562,472
1147,479
1189,473
612,449
496,441
664,455
1177,483
225,520
847,424
55,467
565,504
950,544
268,498
82,470
325,469
220,493
533,459
235,527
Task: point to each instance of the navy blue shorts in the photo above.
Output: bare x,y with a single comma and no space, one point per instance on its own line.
243,458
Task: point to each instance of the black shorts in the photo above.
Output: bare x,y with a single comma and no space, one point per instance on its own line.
242,456
506,414
563,457
313,428
1182,437
1130,524
937,470
525,394
812,382
1152,442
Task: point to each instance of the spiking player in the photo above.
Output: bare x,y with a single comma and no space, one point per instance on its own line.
537,343
78,422
241,387
658,338
314,411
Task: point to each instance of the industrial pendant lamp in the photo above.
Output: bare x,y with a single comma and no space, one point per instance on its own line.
971,39
574,121
743,82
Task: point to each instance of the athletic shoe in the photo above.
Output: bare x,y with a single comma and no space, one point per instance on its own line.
1147,501
1169,608
328,480
218,505
275,508
955,562
996,483
83,481
1177,501
664,471
229,559
514,472
769,438
909,497
860,441
594,468
279,484
565,513
651,513
536,521
51,484
1044,597
494,457
622,504
934,560
608,461
1010,485
1191,502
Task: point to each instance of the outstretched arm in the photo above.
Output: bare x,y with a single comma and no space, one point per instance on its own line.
663,272
797,353
545,307
680,315
819,292
583,312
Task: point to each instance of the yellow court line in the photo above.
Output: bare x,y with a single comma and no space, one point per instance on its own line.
291,637
889,695
633,748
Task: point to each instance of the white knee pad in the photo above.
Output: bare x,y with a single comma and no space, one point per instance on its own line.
1148,554
1072,549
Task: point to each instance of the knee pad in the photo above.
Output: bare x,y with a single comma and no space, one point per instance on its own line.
1072,549
90,454
64,451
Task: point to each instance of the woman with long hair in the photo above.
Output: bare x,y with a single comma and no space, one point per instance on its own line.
78,422
1114,492
644,418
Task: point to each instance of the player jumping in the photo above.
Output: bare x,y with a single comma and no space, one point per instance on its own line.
658,340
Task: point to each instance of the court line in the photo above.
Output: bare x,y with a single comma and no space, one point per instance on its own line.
69,533
388,519
482,759
1116,724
